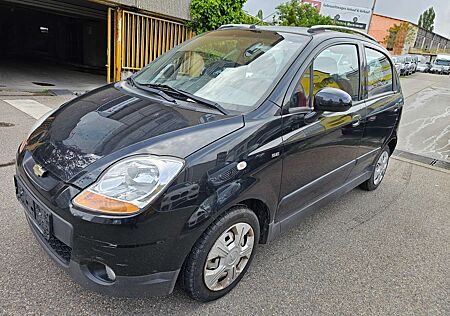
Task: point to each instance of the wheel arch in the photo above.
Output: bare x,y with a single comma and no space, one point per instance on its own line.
262,211
392,144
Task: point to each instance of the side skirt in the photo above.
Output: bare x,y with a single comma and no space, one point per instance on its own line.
276,229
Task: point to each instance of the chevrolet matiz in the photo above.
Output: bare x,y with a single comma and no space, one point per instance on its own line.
221,144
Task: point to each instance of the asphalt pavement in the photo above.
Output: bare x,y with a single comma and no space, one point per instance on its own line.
369,253
425,126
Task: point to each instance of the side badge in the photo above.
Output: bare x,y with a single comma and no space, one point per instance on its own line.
241,166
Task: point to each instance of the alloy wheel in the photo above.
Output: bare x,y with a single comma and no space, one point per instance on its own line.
380,168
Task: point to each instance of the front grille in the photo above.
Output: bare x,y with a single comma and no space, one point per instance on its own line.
61,249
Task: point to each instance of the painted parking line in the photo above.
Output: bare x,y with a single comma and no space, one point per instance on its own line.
30,107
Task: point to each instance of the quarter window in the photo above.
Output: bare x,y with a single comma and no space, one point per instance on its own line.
379,73
300,97
338,67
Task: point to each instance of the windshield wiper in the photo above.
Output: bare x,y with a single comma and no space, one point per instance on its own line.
191,96
150,89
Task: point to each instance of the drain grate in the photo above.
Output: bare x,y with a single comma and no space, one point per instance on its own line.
5,124
44,84
433,162
425,160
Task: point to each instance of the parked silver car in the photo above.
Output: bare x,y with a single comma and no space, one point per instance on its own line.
414,60
403,63
424,66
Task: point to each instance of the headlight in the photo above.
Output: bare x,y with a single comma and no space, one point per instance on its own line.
130,184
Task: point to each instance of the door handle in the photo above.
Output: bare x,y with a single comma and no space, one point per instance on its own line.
356,117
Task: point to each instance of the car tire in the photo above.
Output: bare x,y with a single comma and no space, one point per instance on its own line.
194,279
378,171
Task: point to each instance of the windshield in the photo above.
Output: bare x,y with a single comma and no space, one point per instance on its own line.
234,68
399,59
442,62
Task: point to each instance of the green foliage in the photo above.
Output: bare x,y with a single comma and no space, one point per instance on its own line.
398,30
260,15
426,19
208,15
296,14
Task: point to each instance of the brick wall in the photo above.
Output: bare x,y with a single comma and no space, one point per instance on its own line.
379,29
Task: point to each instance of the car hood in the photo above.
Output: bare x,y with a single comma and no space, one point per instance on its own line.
111,122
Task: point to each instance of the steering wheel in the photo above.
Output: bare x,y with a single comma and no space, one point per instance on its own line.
217,67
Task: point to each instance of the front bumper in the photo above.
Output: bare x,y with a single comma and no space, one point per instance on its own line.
156,284
438,70
78,257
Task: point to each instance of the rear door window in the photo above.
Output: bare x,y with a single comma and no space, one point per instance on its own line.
379,75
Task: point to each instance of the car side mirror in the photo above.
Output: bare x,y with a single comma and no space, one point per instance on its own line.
332,100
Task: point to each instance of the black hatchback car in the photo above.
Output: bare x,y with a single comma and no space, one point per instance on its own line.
222,143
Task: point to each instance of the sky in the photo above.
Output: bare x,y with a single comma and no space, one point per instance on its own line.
409,10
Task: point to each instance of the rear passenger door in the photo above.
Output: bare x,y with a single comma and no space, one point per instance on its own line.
383,101
319,153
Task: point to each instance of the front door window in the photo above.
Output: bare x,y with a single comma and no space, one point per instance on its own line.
338,67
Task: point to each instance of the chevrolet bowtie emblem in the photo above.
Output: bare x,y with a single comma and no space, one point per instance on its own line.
38,170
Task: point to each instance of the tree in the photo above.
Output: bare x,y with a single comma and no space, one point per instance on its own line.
294,13
260,15
398,35
208,15
426,19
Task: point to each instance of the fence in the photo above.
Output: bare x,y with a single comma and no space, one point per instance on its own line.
139,39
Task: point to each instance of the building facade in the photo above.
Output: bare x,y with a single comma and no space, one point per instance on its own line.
403,37
178,9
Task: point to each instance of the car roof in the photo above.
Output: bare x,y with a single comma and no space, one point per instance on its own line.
273,28
318,31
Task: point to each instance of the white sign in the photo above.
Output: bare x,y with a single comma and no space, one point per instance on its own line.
350,13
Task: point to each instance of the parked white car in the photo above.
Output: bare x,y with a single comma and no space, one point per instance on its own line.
441,65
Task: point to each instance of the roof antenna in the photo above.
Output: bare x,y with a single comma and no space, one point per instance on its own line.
253,26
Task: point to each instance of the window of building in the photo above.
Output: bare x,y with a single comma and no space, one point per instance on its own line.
379,72
391,41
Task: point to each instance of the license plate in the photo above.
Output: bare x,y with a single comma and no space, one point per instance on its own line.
36,212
